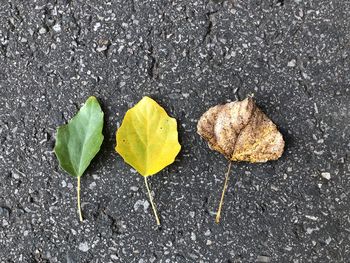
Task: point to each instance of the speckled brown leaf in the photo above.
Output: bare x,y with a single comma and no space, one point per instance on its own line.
242,132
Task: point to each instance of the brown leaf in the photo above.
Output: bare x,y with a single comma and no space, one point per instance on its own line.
242,132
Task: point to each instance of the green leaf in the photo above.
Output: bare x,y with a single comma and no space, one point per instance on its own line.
79,141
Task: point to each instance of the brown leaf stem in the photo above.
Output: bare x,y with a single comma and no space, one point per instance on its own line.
218,214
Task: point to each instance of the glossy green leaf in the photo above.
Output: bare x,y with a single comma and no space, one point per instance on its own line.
79,141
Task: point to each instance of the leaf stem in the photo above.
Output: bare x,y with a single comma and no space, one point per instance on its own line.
151,200
218,214
78,197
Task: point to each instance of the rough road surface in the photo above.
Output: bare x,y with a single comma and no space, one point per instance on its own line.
188,55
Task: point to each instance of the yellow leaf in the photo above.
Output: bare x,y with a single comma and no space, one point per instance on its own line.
148,138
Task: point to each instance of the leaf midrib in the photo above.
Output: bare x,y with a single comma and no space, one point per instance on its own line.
82,149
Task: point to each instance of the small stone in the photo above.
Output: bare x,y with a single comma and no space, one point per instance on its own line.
120,49
274,188
288,248
143,203
102,48
4,212
31,32
193,256
193,236
92,185
291,63
63,183
15,175
84,247
314,218
263,259
97,26
134,188
57,28
310,230
326,175
42,30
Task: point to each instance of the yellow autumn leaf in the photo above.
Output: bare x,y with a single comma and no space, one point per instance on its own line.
147,138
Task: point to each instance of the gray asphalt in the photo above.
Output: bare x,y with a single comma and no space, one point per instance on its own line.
188,55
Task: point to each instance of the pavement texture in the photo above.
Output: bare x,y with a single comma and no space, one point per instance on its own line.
187,55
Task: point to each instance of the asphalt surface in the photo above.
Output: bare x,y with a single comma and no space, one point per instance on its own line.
188,55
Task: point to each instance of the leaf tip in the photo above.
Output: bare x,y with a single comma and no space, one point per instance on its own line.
92,98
